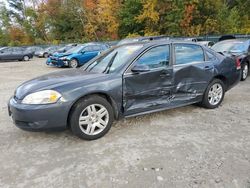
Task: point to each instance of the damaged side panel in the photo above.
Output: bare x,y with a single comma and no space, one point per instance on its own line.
191,80
147,91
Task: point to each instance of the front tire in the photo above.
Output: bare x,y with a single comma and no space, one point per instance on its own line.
26,58
73,63
214,94
244,71
45,55
91,117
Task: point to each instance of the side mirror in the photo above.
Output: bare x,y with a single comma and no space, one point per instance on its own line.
82,52
140,68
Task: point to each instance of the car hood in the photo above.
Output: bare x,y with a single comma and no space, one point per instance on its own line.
58,55
55,80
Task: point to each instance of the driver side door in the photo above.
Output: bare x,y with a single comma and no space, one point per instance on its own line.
87,54
151,88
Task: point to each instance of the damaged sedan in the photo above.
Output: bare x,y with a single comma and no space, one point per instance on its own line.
127,80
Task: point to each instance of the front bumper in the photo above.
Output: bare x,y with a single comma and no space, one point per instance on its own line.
39,117
57,63
38,55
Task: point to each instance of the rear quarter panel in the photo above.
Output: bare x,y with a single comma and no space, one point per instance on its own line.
226,67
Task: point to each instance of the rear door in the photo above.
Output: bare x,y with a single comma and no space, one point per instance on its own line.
17,53
151,90
192,72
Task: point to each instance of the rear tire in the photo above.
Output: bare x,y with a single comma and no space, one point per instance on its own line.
214,94
26,58
244,71
91,117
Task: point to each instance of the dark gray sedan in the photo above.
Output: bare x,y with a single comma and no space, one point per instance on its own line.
15,53
127,80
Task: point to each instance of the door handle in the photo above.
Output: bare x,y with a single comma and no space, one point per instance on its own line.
208,67
164,74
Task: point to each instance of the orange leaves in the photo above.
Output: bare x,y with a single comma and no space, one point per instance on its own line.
90,4
186,23
18,36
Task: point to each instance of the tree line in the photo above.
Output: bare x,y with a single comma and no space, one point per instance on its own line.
26,22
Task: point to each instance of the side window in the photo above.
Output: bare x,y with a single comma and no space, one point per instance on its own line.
88,49
210,56
96,48
103,47
155,57
7,50
188,53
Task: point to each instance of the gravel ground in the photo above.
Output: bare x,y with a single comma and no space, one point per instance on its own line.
184,147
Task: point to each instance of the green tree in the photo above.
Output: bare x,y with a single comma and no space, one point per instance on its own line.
129,11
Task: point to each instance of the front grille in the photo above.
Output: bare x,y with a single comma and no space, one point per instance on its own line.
53,58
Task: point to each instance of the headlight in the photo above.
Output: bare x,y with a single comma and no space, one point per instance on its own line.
63,58
42,97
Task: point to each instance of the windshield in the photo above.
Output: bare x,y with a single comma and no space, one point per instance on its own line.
112,60
76,49
239,46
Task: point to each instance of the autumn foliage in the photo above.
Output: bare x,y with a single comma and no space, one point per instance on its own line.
55,21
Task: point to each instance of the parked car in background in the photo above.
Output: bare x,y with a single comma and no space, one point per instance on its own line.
112,43
65,48
139,39
239,49
15,53
226,37
33,49
208,44
128,80
47,51
76,56
187,39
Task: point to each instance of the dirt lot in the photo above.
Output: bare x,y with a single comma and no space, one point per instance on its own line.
184,147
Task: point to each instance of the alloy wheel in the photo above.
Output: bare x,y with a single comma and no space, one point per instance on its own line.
245,72
93,119
26,58
73,63
215,94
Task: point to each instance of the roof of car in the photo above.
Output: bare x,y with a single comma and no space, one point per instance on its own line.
158,42
234,40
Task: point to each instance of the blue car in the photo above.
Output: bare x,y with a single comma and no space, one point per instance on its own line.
77,56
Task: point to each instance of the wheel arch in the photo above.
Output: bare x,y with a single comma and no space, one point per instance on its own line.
245,60
102,94
223,79
75,58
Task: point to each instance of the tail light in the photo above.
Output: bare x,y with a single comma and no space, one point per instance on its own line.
238,64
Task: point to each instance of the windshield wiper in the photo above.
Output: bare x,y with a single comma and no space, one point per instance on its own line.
107,69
